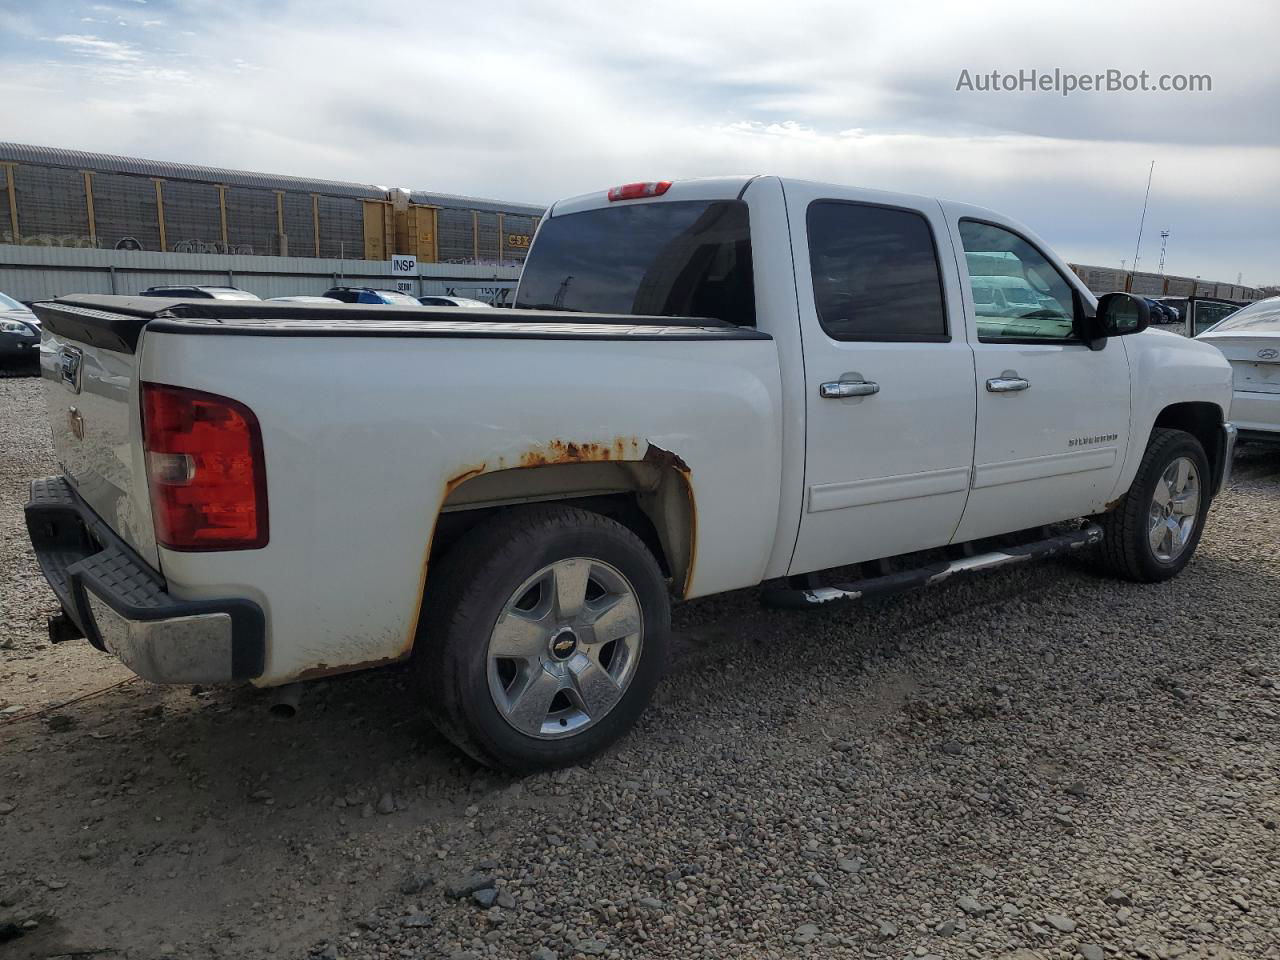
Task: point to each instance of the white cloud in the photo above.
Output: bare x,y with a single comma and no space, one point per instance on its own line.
100,49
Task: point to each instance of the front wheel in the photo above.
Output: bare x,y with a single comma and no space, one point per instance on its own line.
545,636
1154,530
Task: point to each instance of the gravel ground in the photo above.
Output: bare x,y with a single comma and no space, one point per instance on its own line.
1037,763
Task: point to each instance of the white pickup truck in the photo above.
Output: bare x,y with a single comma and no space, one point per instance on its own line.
705,385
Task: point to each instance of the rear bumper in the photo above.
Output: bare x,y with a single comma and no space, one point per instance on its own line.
123,606
1256,412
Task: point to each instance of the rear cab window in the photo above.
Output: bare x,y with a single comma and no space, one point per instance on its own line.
678,258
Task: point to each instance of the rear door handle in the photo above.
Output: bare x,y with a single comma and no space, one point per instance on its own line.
1007,385
836,389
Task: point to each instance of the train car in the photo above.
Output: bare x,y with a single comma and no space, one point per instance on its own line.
71,198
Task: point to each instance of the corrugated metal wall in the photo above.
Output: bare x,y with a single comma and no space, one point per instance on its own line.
455,235
124,207
298,226
341,227
193,221
517,234
6,220
251,221
51,204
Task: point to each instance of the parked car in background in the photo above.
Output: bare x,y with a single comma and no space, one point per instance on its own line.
1250,340
1198,314
1160,313
748,380
303,300
466,302
201,293
370,295
19,331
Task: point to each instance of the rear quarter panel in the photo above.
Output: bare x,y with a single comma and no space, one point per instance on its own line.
364,436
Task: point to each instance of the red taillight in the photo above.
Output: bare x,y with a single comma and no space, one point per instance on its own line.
205,469
634,191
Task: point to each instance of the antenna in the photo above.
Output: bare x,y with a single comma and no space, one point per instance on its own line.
1143,220
1164,243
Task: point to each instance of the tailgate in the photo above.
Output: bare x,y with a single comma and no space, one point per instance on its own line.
88,362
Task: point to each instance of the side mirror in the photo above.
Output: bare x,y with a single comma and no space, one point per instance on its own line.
1120,314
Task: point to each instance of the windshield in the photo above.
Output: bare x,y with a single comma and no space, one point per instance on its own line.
685,258
8,303
1260,317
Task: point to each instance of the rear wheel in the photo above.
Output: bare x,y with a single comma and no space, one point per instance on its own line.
546,634
1154,530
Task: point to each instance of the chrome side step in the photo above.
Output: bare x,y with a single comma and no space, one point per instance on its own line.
809,597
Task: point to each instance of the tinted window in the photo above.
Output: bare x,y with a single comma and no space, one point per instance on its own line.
687,258
1035,302
875,273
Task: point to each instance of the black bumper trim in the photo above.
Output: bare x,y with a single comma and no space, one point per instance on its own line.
77,551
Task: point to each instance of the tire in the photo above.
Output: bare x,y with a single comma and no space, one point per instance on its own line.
1127,550
480,606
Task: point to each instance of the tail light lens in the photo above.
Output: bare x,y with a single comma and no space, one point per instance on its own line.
634,191
205,470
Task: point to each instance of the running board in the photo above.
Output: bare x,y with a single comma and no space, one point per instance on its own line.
806,598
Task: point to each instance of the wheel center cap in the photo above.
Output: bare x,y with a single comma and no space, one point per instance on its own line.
564,644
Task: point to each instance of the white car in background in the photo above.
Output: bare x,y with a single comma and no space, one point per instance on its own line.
443,301
302,300
1250,340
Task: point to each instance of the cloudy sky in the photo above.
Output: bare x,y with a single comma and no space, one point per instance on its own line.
544,98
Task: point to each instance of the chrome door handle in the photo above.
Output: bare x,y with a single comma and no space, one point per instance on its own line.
1007,385
836,389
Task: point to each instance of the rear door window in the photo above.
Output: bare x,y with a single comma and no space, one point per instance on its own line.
680,258
875,273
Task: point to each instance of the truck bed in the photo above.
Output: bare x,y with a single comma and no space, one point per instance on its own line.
415,414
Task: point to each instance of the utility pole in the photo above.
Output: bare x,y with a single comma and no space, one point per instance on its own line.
557,302
1164,243
1143,219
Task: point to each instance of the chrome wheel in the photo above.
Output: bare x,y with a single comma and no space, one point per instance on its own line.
565,648
1175,508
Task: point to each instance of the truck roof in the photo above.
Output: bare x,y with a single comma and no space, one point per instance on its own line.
715,188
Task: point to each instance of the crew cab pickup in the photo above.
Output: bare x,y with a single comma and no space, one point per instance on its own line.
705,385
